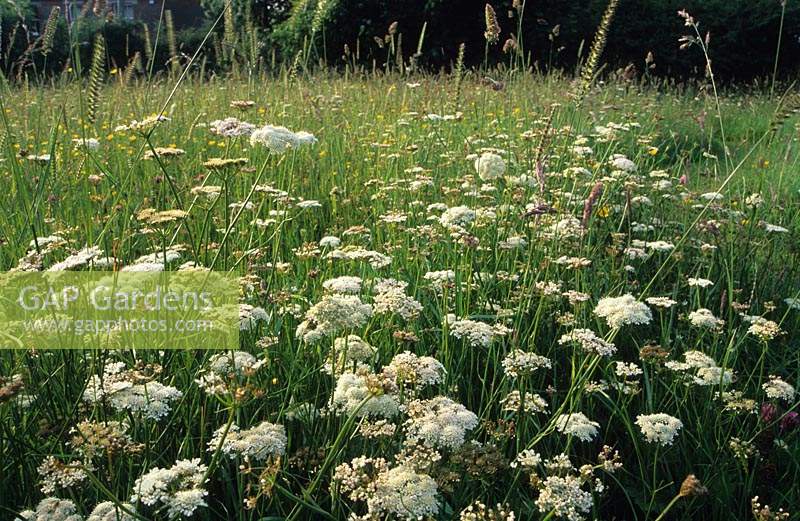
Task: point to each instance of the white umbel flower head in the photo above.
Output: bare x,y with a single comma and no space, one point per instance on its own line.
578,425
125,391
439,422
777,388
623,311
620,162
402,493
659,428
52,509
178,488
257,443
109,511
362,395
333,314
280,139
704,318
490,166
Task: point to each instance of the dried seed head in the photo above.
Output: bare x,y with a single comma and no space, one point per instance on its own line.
492,33
692,487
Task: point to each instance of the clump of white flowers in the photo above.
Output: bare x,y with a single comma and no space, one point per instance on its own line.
109,511
620,162
623,311
364,394
255,444
477,334
225,371
52,509
778,389
356,253
578,425
458,216
519,363
477,511
589,342
530,403
178,488
345,284
333,314
131,390
704,318
349,352
393,300
565,492
763,329
399,492
659,428
440,279
231,127
439,422
564,496
57,475
408,369
250,316
490,166
701,369
280,139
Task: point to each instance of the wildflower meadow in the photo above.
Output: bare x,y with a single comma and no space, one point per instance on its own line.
471,294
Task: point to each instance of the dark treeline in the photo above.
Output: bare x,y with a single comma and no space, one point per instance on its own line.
745,36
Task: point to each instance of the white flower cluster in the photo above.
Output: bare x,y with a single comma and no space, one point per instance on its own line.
477,511
490,166
589,342
659,428
363,394
778,389
764,329
179,488
458,216
124,391
623,311
375,259
564,497
439,422
225,369
57,475
701,369
389,493
440,279
52,509
109,511
250,316
532,402
231,127
578,425
333,314
406,368
477,334
404,493
519,363
280,139
704,318
349,351
346,284
394,300
257,443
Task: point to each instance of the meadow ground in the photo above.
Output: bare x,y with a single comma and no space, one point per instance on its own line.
455,294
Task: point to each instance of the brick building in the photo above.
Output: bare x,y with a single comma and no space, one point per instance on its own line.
185,13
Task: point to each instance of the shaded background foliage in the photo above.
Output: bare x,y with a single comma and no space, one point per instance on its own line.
743,33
